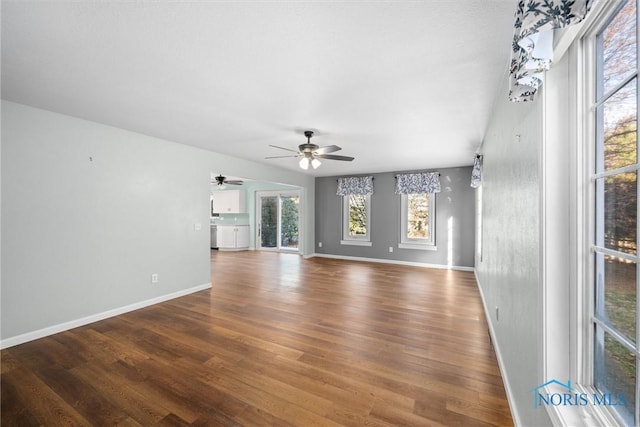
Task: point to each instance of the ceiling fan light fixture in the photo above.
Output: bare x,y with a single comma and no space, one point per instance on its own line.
304,163
310,153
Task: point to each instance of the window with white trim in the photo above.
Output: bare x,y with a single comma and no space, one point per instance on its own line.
613,235
356,220
417,221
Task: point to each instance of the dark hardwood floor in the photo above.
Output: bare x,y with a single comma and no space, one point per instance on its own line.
279,341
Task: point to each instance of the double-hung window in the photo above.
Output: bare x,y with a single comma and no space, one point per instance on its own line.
417,221
613,235
417,209
356,194
356,219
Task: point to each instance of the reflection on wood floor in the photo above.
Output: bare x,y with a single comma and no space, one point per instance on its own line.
278,340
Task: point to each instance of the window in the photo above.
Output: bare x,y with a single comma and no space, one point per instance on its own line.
614,318
417,221
356,220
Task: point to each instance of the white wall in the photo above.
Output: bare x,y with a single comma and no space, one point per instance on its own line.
527,234
508,273
89,212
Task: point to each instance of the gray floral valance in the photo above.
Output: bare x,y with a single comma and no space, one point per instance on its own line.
532,48
418,183
355,185
476,172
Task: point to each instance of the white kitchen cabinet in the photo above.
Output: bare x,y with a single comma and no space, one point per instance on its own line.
226,237
242,236
229,201
233,237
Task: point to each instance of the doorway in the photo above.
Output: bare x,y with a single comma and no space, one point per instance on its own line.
278,220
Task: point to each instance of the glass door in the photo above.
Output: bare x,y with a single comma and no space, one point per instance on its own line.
278,220
289,219
268,222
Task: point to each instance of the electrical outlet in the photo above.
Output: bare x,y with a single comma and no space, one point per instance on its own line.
154,278
390,248
197,226
319,244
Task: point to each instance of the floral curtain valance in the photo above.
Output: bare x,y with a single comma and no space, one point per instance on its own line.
476,172
418,183
532,48
355,185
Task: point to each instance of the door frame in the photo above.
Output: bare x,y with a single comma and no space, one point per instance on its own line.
258,219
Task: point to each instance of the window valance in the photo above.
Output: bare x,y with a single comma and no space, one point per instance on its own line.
418,183
532,47
362,185
476,172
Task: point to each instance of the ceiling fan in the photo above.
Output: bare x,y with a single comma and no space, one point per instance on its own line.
310,153
222,182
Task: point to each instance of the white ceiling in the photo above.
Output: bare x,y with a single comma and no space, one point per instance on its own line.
399,85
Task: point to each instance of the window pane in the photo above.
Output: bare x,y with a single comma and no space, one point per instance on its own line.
619,47
289,222
617,294
615,361
357,215
619,121
615,373
418,216
269,222
619,218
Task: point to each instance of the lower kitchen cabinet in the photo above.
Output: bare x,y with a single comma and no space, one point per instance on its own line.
242,236
233,237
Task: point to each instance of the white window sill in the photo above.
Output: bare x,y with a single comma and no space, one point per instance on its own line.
418,246
355,242
574,415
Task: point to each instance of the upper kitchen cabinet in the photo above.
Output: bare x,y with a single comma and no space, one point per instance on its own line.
229,201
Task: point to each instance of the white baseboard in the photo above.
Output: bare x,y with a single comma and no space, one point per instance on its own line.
393,261
496,347
50,330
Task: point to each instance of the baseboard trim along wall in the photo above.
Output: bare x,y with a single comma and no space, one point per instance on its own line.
393,261
41,333
496,348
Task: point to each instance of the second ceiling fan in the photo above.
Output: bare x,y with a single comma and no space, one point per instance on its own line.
222,181
310,153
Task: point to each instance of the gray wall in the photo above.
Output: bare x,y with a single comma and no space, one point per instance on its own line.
89,212
508,273
455,203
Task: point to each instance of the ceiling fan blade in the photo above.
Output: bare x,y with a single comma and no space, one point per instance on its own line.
327,149
282,148
234,182
281,157
334,157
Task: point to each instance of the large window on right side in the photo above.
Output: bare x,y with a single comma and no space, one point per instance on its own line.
614,237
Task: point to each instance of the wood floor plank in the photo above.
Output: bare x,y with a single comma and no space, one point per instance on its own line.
8,362
137,405
401,417
335,388
277,341
14,411
43,403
